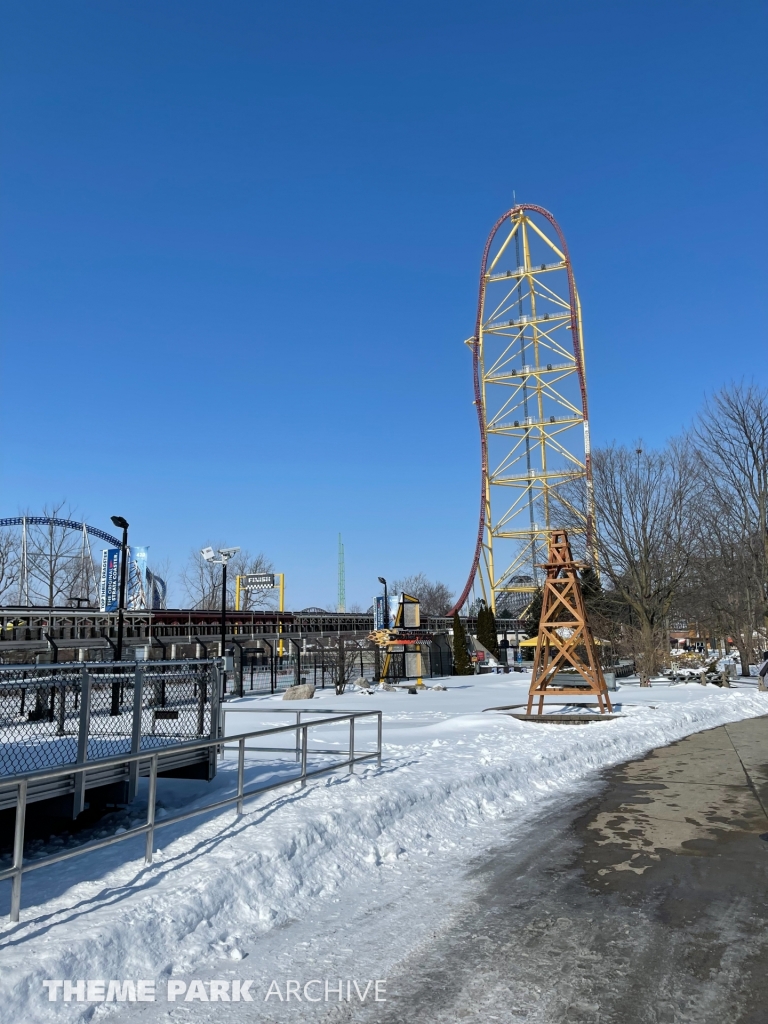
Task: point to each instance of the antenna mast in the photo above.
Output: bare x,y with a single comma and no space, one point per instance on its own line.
342,580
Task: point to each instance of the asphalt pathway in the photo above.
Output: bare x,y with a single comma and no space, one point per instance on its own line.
645,904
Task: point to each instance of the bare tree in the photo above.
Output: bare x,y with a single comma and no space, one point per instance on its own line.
9,565
647,505
158,581
730,437
434,598
726,594
201,580
340,656
244,564
55,558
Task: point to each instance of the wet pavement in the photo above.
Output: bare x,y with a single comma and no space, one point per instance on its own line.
645,904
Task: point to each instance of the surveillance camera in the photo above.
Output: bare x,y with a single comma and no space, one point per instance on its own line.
207,553
228,552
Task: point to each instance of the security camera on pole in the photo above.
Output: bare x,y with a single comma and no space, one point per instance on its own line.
225,555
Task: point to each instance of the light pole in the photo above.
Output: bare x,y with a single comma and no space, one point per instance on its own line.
122,524
386,603
226,554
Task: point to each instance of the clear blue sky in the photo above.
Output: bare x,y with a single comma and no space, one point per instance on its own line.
240,246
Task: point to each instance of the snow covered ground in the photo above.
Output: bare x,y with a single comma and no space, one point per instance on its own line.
341,879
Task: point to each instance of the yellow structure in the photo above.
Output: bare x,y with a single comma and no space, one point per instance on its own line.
408,616
531,398
280,603
280,607
280,589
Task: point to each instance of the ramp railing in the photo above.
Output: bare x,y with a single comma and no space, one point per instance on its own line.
150,762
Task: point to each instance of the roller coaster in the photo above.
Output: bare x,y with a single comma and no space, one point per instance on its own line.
530,393
67,524
87,575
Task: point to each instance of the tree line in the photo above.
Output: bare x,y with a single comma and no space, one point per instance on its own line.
681,534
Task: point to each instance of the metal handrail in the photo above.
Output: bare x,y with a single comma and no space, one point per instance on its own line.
18,868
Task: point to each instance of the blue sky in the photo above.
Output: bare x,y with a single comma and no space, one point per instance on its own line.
240,246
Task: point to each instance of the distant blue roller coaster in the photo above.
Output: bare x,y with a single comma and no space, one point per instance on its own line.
67,524
155,598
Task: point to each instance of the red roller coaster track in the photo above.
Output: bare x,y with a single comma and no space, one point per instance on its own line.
478,390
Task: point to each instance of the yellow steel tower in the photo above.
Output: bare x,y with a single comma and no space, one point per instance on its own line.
531,398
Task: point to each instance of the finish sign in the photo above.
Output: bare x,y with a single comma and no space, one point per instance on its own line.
258,581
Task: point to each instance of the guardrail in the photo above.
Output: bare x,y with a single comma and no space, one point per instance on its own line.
300,728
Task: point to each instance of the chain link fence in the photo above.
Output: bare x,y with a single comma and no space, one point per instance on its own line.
65,714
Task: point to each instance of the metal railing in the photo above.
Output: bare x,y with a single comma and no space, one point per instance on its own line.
300,728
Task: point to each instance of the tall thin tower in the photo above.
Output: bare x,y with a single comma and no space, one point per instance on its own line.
531,401
342,580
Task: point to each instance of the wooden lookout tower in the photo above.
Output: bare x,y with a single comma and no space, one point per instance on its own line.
566,662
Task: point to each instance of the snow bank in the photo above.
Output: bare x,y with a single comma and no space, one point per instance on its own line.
450,775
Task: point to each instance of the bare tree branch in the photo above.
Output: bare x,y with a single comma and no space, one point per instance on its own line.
434,598
201,580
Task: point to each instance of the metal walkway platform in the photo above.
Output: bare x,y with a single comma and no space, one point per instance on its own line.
54,716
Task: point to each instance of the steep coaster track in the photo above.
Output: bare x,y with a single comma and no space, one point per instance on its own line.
532,382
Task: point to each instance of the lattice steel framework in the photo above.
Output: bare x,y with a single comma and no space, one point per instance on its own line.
531,399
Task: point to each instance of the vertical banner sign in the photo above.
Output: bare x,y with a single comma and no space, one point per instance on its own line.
103,581
136,590
136,587
109,587
378,612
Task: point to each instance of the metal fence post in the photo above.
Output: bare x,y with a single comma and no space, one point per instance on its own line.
352,745
304,731
216,705
217,715
138,693
378,738
298,723
18,849
202,696
237,668
78,800
151,809
240,775
62,708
